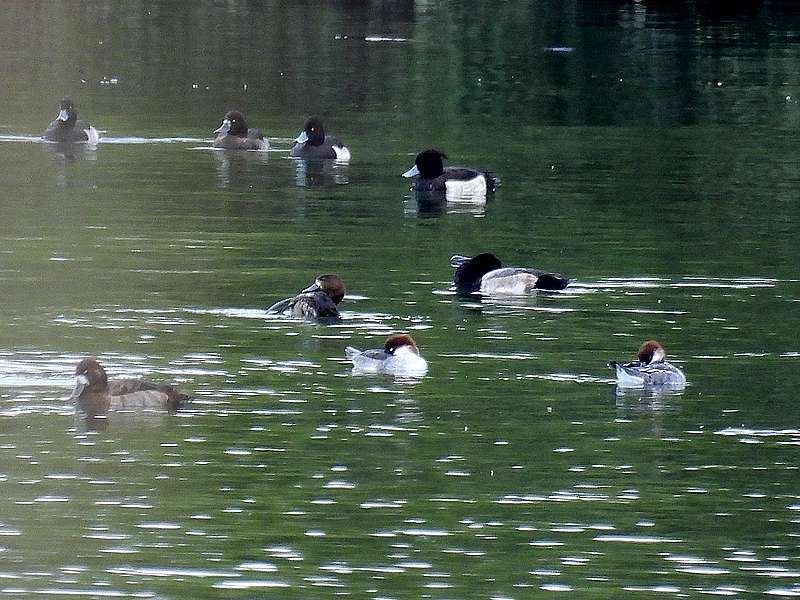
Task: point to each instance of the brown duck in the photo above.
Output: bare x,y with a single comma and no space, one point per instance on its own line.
95,394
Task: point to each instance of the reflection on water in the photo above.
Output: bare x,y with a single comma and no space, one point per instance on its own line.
318,173
235,165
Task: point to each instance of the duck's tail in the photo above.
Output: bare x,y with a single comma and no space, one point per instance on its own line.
551,281
351,352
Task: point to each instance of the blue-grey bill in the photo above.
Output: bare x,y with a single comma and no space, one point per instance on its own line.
412,172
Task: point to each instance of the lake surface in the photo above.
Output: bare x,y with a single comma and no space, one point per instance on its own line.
649,152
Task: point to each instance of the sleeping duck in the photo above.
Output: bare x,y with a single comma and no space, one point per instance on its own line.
484,273
652,369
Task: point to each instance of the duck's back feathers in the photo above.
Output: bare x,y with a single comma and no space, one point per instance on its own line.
313,305
140,394
254,140
635,374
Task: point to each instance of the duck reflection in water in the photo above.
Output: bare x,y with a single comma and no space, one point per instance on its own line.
96,396
235,168
434,203
320,173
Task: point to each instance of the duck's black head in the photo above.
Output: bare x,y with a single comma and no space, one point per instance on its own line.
67,113
430,164
315,131
469,272
233,123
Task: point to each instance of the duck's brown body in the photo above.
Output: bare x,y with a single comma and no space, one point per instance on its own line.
95,395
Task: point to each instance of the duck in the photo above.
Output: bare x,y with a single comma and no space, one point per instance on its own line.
234,134
96,395
652,369
317,301
485,274
67,128
312,143
432,176
399,356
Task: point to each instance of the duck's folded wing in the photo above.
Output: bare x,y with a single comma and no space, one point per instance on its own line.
314,305
140,401
369,360
140,394
280,306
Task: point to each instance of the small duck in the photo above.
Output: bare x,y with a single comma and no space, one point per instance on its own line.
66,127
317,301
651,369
399,356
485,273
312,143
432,176
234,134
96,395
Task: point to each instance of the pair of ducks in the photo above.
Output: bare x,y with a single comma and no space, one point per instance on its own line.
400,355
312,143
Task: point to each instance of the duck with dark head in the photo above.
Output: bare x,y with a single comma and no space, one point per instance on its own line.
234,134
96,395
312,143
66,128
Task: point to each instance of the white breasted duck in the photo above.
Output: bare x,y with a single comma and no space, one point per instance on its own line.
317,301
234,134
652,369
312,143
96,395
399,356
430,175
66,128
484,273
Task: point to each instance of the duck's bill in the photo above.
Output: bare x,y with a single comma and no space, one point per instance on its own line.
457,260
80,384
302,138
314,287
412,172
63,115
224,128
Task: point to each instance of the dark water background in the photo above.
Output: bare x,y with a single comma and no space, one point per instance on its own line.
648,149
